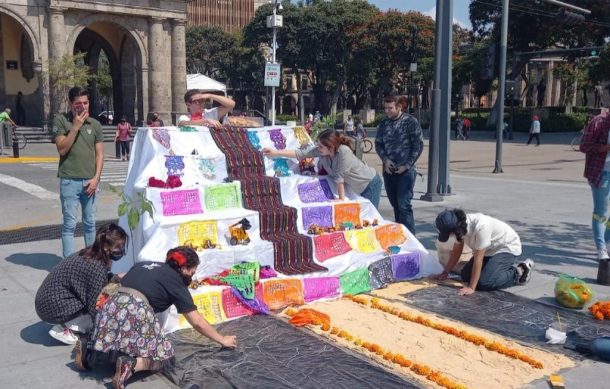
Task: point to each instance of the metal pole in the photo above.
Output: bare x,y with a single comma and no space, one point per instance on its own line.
273,60
501,87
566,5
445,86
433,146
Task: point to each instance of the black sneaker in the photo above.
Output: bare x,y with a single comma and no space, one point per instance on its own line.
527,267
80,355
124,370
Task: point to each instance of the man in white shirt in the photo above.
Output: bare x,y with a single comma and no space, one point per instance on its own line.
198,116
496,248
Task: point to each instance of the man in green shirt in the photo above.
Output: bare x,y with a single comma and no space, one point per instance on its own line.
79,140
6,117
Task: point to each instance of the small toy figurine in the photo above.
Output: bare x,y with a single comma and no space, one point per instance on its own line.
358,226
375,223
366,223
307,167
312,229
237,232
208,244
347,225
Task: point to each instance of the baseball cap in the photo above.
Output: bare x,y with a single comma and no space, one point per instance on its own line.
446,223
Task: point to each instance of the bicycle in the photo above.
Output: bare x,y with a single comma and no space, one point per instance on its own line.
366,145
575,144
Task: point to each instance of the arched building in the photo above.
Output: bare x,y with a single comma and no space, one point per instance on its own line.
143,41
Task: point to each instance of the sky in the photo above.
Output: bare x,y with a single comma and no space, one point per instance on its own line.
427,7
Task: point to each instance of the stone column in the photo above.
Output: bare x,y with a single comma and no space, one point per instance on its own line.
159,75
178,67
57,49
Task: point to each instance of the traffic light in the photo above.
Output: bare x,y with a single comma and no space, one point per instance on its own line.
488,63
570,18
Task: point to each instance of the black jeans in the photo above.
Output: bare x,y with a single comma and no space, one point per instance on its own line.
399,188
498,272
532,136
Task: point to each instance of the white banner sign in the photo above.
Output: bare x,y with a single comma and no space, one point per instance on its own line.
272,74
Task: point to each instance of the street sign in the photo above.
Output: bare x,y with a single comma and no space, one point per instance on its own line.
272,74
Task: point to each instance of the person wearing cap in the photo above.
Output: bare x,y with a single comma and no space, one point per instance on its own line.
535,130
496,248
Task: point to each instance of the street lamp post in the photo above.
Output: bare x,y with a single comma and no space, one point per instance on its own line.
274,21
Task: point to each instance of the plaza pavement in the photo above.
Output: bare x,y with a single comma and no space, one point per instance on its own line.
541,194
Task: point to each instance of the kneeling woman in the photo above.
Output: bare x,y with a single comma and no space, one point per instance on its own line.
126,327
341,165
496,248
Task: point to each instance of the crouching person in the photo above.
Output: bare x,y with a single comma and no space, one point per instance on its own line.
68,295
126,328
496,247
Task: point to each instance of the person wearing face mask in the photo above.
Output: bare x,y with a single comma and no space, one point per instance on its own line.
123,134
126,327
496,247
342,166
68,294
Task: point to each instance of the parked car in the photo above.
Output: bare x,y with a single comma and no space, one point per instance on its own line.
106,117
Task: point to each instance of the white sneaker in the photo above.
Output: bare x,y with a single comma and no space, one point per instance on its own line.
602,254
527,267
63,334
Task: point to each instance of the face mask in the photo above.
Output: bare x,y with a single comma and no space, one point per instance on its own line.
448,245
187,279
116,254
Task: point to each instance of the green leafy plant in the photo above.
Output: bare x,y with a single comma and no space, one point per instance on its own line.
133,209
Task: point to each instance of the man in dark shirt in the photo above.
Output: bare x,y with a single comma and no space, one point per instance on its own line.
399,143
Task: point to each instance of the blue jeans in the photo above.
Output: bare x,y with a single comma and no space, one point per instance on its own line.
498,272
399,188
372,192
599,223
71,193
601,347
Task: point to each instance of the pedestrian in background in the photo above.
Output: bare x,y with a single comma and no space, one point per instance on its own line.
597,171
399,144
80,142
155,121
20,110
534,130
123,135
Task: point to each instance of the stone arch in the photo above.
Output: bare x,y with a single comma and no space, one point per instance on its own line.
28,29
120,21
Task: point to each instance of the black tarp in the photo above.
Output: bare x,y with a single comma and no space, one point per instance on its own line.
273,354
511,316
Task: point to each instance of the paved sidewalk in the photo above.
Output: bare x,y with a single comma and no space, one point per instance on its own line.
541,194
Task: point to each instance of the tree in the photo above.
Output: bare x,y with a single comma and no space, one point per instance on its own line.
209,51
102,80
65,73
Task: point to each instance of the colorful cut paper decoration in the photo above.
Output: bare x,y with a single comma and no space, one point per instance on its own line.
234,307
318,288
254,139
326,189
187,129
208,304
161,135
206,167
405,266
355,282
174,165
280,167
181,202
363,240
347,213
320,216
302,137
380,273
222,196
278,294
278,138
390,235
310,192
251,268
244,283
196,233
330,245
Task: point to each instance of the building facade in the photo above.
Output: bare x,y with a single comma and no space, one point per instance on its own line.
143,40
230,15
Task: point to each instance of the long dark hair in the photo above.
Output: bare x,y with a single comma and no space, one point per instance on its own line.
105,236
181,256
332,139
462,224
